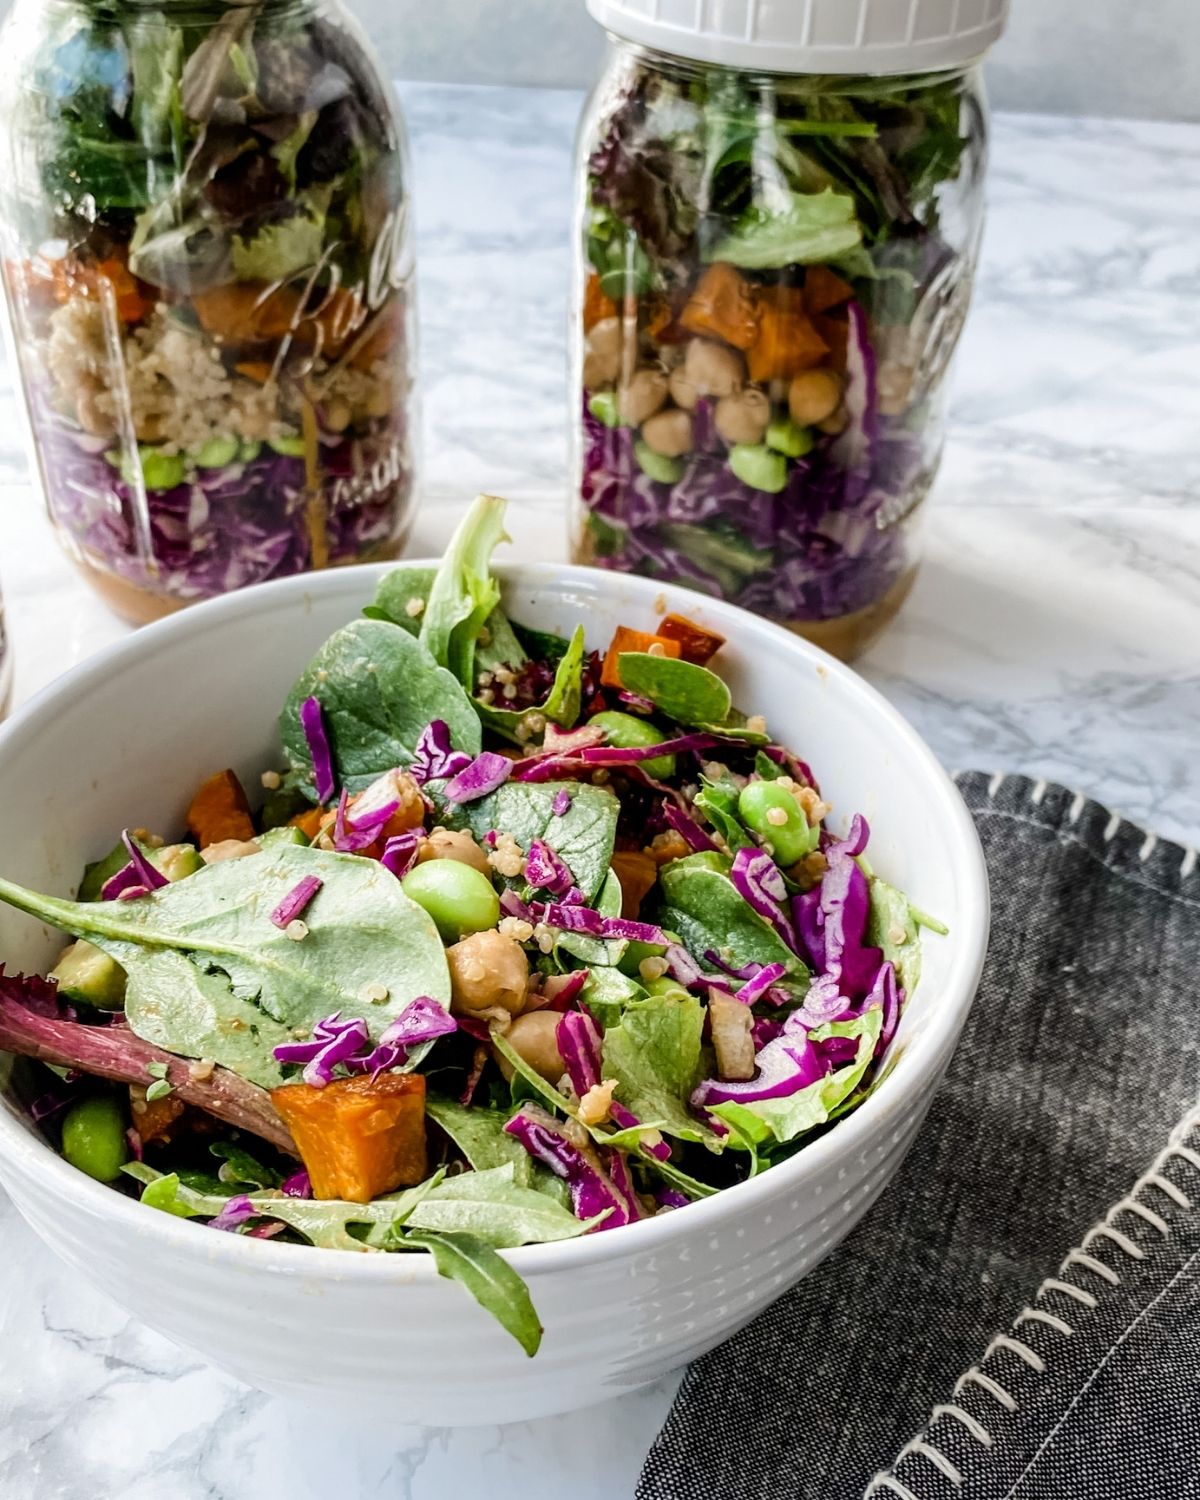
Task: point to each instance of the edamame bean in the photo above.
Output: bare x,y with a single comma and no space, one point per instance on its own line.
759,466
459,899
788,437
603,406
660,468
628,732
217,452
771,811
93,1137
161,471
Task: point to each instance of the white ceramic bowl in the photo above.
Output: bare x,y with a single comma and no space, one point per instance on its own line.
121,740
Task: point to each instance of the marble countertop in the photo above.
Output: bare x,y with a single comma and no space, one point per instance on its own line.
1054,630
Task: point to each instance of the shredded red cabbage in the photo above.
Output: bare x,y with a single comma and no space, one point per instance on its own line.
696,838
592,1189
333,1041
234,1214
296,900
312,721
625,1119
584,919
578,1039
149,875
347,838
125,880
485,773
435,758
785,1066
298,1185
757,988
759,881
400,853
421,1020
546,870
561,804
671,1198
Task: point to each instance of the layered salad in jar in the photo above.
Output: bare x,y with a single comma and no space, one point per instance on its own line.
206,265
774,274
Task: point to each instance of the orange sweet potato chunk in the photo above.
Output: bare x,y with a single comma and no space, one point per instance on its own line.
637,873
787,340
358,1137
309,823
220,811
722,307
696,644
823,290
627,639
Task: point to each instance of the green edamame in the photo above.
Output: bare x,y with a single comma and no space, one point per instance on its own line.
93,1137
759,466
628,732
161,471
786,436
603,406
658,466
770,811
458,898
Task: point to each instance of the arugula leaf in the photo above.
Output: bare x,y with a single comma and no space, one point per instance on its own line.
679,689
583,835
811,228
324,1222
709,914
464,593
562,702
490,1280
692,1186
654,1054
211,976
893,927
718,802
378,688
788,1118
495,1206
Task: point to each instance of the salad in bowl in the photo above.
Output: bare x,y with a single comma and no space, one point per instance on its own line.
528,938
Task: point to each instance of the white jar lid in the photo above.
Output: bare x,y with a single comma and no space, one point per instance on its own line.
811,36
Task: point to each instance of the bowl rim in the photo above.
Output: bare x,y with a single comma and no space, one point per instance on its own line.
919,1064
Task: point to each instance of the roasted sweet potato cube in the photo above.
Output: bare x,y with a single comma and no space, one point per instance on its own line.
358,1137
154,1119
637,873
220,811
625,639
695,643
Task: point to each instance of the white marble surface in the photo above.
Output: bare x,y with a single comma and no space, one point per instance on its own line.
1055,630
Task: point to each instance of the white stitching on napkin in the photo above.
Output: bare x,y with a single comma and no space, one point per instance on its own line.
975,1376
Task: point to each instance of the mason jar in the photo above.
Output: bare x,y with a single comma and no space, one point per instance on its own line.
207,260
779,212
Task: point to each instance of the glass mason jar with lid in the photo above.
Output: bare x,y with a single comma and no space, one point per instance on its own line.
779,215
206,256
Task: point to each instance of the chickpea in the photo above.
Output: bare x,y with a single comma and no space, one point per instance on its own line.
442,843
714,369
645,394
743,418
487,971
669,433
602,354
683,392
813,396
337,415
835,422
895,387
534,1038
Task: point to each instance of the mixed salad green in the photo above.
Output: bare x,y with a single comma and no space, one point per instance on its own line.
524,942
775,271
205,254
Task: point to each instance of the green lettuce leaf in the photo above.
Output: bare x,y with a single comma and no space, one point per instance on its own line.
493,1205
654,1054
786,1119
464,593
807,229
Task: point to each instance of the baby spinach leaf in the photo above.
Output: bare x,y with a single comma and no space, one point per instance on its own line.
597,951
396,591
606,993
654,1054
583,835
679,689
561,704
378,688
208,969
493,1283
464,593
815,1105
478,1132
541,645
494,1206
324,1222
709,914
768,769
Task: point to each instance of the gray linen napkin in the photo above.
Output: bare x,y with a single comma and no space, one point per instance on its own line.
1019,1316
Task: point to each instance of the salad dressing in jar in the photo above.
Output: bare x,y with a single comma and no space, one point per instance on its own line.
779,217
206,257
